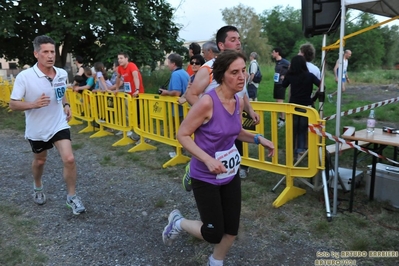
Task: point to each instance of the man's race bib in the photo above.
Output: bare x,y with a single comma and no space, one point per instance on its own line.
231,160
276,77
59,92
127,88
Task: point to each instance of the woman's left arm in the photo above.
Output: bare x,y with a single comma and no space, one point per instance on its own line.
246,136
249,137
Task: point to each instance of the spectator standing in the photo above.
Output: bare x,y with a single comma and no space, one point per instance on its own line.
40,91
345,78
301,83
79,65
80,77
132,83
132,79
196,62
116,87
253,68
178,79
193,49
280,70
89,82
102,77
215,121
308,51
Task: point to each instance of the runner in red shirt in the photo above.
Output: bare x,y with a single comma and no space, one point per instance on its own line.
132,80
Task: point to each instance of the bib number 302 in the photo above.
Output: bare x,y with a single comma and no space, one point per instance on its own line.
231,160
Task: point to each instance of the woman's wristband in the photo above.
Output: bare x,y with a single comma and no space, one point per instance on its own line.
256,138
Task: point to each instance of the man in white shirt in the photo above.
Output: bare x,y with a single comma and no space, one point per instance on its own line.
345,78
40,91
253,68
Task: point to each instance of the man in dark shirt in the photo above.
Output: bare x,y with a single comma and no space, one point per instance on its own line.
280,70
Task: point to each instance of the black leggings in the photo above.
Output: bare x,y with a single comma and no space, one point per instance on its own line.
219,208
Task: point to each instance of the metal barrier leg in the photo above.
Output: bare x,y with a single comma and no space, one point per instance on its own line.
326,196
278,184
296,163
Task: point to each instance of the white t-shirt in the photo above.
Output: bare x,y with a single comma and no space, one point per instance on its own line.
42,123
313,69
252,69
100,84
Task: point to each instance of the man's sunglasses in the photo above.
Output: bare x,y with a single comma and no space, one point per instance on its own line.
195,63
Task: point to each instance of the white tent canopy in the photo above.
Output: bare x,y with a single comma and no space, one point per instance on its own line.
387,8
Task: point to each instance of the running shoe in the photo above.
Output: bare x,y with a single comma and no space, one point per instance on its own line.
39,197
330,98
243,172
76,205
187,178
133,136
170,232
281,123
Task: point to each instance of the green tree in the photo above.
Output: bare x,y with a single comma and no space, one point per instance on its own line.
94,29
391,45
282,27
248,24
368,47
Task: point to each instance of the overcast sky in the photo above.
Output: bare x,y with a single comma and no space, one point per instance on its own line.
201,19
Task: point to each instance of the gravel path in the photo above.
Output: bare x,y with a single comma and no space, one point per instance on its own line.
123,222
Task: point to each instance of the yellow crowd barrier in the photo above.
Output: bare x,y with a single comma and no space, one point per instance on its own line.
5,93
152,117
283,162
160,121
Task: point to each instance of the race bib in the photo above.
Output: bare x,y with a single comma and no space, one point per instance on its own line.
59,92
127,88
231,160
276,77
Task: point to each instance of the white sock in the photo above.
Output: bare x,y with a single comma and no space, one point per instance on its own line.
177,224
69,198
214,262
37,188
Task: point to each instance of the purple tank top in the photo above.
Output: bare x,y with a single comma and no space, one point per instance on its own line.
218,134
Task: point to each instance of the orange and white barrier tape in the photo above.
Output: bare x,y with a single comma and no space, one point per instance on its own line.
316,129
364,108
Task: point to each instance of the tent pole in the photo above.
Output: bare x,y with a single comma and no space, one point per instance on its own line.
338,109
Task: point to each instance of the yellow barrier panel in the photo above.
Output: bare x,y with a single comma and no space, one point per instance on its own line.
5,93
158,123
112,111
82,108
74,99
284,165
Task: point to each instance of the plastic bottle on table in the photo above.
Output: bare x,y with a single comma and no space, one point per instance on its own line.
371,122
